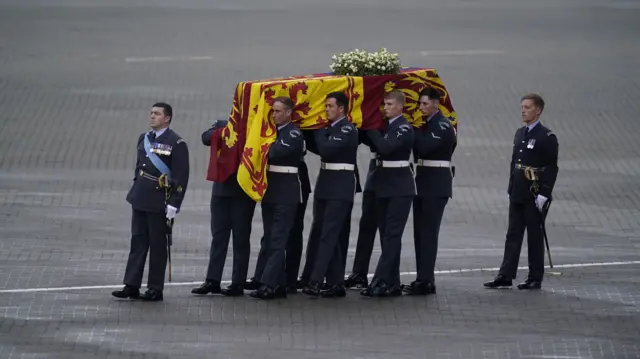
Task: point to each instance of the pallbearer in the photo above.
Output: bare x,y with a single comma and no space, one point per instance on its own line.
231,213
432,151
281,200
337,145
394,188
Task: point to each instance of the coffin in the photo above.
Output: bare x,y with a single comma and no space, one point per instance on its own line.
240,148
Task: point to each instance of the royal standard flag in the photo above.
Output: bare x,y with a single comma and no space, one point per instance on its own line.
251,131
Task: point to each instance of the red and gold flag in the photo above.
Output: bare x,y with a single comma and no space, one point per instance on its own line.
227,143
245,141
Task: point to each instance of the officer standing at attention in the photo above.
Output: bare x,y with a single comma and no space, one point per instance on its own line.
395,189
281,199
432,150
159,186
335,189
368,225
231,211
533,172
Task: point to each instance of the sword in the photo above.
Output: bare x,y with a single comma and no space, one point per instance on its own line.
543,214
531,175
169,226
163,180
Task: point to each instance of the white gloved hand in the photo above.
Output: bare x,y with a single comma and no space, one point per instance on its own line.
540,201
171,211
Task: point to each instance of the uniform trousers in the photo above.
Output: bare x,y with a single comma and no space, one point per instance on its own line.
524,215
366,233
330,219
148,234
293,251
314,241
427,217
294,245
278,220
230,214
393,213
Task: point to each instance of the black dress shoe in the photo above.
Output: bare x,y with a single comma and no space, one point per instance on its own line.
334,291
312,289
357,281
499,282
372,290
394,291
261,293
252,284
233,290
208,286
530,284
152,295
419,288
265,293
382,289
127,292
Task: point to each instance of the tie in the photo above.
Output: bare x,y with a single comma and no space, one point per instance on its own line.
152,136
526,130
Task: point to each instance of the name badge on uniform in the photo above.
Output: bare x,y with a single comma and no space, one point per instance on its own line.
531,143
161,149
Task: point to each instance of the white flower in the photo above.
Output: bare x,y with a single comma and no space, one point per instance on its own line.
361,63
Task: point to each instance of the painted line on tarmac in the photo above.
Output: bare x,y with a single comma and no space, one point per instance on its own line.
461,52
168,58
449,271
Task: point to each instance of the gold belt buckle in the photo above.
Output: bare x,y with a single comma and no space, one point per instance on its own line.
163,181
530,174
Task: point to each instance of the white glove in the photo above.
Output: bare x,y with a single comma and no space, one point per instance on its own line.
540,201
171,211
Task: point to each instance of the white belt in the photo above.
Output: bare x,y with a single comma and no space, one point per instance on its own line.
429,163
337,166
394,164
282,169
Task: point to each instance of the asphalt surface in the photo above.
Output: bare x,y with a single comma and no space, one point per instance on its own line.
77,79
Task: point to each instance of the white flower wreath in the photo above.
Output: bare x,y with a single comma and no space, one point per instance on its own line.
361,63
